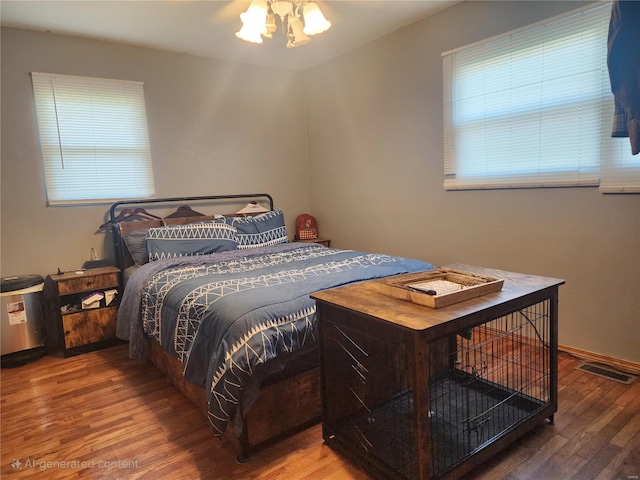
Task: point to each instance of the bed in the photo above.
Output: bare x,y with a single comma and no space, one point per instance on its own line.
220,303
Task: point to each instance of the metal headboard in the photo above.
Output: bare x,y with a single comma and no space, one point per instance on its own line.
117,239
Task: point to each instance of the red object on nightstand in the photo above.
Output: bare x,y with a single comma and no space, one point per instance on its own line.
306,227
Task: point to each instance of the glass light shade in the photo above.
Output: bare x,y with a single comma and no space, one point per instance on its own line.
314,21
296,33
256,16
249,34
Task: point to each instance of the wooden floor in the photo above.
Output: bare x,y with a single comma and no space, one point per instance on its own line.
101,415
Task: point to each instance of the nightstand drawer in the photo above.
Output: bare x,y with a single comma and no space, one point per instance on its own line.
89,326
87,283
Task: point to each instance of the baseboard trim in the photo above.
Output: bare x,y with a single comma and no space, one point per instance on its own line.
617,363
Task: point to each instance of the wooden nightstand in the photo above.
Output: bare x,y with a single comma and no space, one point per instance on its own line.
322,241
72,329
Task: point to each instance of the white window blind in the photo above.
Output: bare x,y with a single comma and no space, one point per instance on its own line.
534,108
93,138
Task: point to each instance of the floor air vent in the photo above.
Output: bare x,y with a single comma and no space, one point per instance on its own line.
607,373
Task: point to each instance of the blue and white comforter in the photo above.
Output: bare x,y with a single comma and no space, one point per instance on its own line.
225,315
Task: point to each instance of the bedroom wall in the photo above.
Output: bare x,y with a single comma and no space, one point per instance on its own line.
376,168
215,128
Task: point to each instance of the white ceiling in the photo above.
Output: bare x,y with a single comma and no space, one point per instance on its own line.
207,27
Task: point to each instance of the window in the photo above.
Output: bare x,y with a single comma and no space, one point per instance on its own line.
93,139
534,108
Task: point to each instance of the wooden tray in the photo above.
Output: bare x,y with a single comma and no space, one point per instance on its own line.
446,286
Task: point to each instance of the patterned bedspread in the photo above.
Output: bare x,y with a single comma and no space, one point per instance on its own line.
225,315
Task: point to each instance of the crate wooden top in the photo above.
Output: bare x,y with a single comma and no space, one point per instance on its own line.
85,273
518,291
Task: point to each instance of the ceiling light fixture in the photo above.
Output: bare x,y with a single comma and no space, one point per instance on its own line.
260,21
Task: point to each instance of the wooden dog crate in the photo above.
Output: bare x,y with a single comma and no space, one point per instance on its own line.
411,392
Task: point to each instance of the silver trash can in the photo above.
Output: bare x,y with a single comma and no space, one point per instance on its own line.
22,327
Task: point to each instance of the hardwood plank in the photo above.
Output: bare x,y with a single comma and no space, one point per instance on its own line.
626,464
632,426
597,463
104,407
528,469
